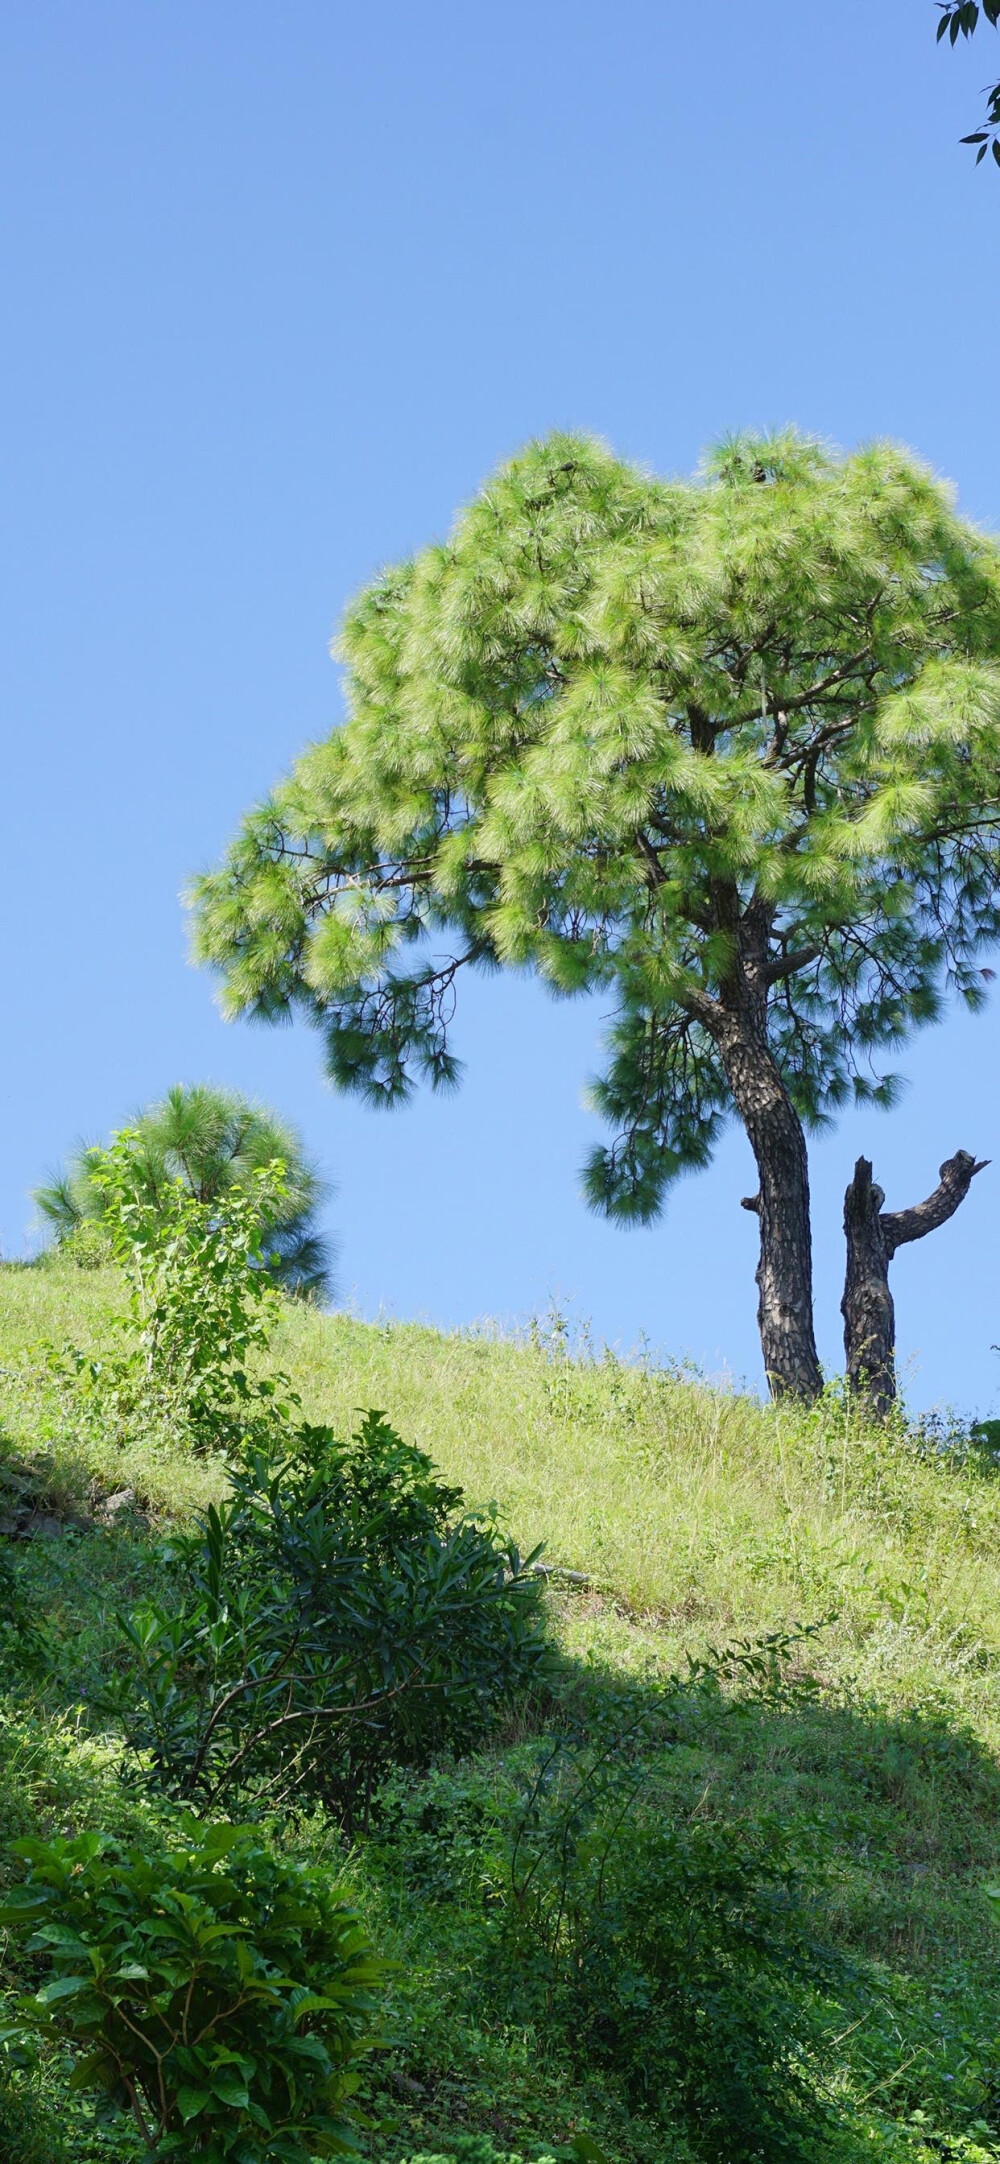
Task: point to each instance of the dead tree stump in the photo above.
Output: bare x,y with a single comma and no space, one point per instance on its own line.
873,1235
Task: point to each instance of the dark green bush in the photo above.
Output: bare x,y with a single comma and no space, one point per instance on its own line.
676,1953
672,1958
23,1641
475,2149
478,2149
218,1992
686,1965
337,1616
28,2130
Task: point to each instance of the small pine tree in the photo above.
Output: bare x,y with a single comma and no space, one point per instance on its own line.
213,1141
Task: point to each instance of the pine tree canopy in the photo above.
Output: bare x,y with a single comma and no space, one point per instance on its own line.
212,1141
629,734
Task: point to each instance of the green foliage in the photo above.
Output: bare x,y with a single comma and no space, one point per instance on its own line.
478,2149
213,1143
28,2130
24,1642
475,2149
686,1964
220,1993
640,736
960,18
87,1244
678,1954
685,1515
200,1303
335,1616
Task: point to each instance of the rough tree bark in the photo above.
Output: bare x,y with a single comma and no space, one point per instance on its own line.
738,1021
873,1235
784,1272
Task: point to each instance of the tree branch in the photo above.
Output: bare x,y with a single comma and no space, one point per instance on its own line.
957,1175
844,674
785,965
650,858
703,1007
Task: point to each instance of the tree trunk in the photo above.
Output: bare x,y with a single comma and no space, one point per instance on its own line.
784,1272
873,1235
867,1309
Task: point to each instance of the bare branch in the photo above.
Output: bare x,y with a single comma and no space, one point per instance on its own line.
957,1175
846,672
785,965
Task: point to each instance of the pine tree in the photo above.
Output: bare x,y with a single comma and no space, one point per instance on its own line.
212,1141
725,750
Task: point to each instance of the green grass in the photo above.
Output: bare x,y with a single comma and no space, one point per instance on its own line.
690,1517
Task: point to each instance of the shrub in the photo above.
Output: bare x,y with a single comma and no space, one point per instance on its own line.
28,2131
338,1615
478,2149
475,2149
686,1964
644,1945
88,1245
217,1991
201,1303
211,1143
677,1953
24,1639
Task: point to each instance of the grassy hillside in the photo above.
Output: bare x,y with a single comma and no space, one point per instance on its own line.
674,1517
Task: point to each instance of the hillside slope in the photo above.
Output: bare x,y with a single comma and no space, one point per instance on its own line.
674,1517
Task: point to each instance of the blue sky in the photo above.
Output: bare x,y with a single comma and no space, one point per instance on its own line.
282,284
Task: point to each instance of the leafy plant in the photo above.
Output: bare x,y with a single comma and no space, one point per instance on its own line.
220,1993
339,1613
28,2130
475,2149
87,1244
478,2149
212,1142
647,1947
687,1963
25,1640
678,1952
201,1303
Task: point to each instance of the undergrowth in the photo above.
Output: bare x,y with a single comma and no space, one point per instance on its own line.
853,1787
